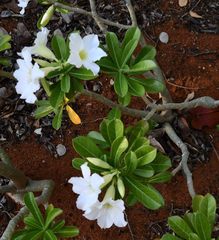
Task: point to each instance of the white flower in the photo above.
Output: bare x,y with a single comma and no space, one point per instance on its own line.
88,187
107,213
85,52
39,48
28,76
23,5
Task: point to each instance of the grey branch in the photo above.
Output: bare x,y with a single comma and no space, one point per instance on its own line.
46,186
87,13
131,12
185,155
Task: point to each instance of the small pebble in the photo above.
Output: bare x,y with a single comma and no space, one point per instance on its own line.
38,131
61,150
164,37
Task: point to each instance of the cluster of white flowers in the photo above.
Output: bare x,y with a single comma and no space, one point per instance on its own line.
83,52
107,212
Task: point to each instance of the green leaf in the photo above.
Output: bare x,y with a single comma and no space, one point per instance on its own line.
131,200
145,172
31,204
98,138
57,120
57,96
145,155
147,53
46,86
179,226
202,225
119,146
114,113
4,61
168,236
77,162
99,163
121,84
68,231
76,86
128,51
142,67
65,83
208,208
196,201
145,194
115,129
161,163
46,17
59,47
161,177
31,222
193,236
151,85
113,47
135,89
51,214
27,235
86,147
49,235
130,162
82,74
43,111
107,65
139,142
58,225
131,33
4,45
125,100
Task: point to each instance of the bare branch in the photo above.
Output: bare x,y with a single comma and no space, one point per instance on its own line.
96,17
185,155
131,12
47,188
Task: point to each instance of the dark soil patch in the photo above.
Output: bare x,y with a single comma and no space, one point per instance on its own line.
190,64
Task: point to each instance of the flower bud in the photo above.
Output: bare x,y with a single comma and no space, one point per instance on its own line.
110,192
47,16
107,179
99,163
73,115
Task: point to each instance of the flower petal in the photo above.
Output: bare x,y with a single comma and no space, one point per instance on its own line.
92,66
91,41
85,171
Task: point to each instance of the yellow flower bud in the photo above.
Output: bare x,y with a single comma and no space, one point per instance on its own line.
73,115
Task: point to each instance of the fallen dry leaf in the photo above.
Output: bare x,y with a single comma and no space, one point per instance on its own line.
194,14
183,3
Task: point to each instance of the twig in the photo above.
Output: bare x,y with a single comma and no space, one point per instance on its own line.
48,186
84,12
129,227
131,12
185,155
96,17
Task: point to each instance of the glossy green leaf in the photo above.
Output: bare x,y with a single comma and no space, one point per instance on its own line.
146,194
57,120
115,129
168,236
31,222
86,147
125,100
128,50
121,84
131,162
107,65
113,47
31,204
57,96
82,74
208,208
43,111
59,47
114,113
145,155
77,162
161,177
145,172
98,138
147,53
65,83
136,89
51,214
49,235
142,67
161,163
131,33
58,225
139,142
119,146
193,236
179,226
68,231
131,200
202,225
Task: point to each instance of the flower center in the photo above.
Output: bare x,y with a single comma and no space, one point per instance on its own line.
107,205
83,54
